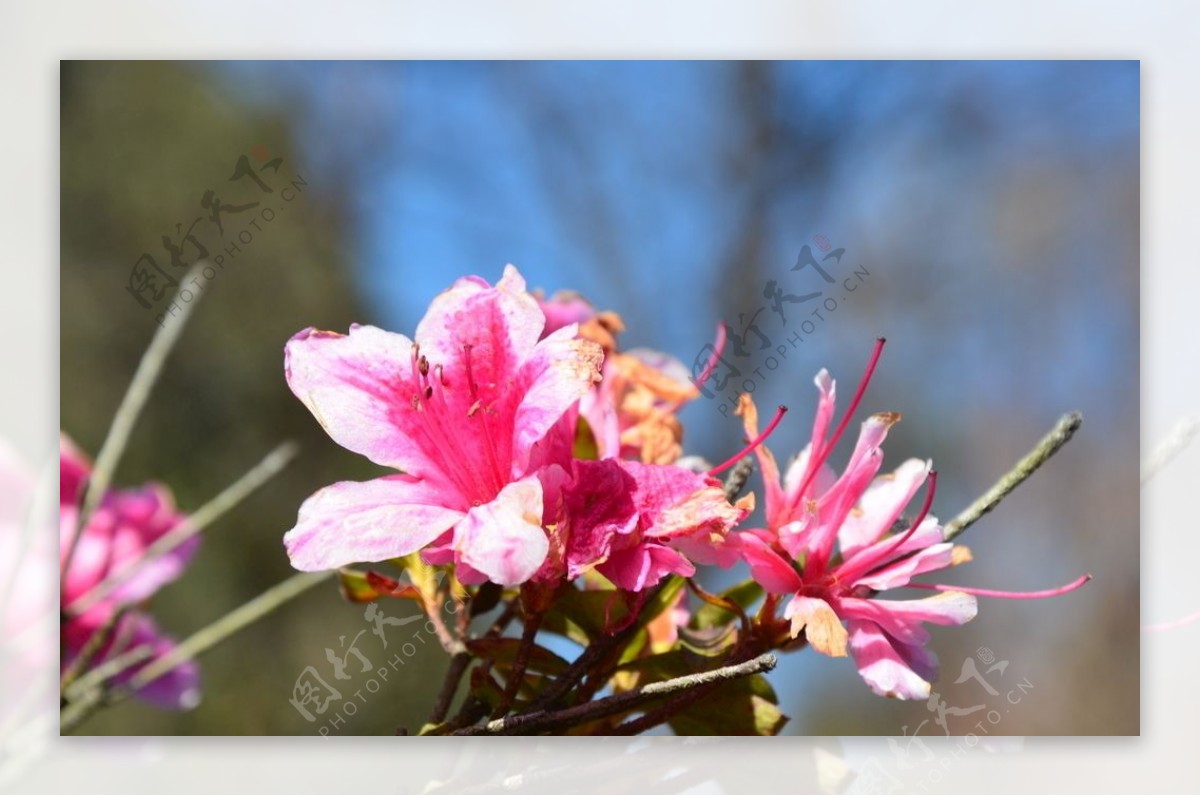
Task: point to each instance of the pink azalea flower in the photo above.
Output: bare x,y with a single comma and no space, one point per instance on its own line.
631,412
810,511
637,523
565,309
117,535
470,413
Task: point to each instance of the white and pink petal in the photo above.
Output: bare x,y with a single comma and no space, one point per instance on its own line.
369,521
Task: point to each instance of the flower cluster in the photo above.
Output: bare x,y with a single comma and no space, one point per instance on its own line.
483,414
111,549
531,451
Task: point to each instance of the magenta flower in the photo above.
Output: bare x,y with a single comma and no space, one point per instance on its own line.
637,523
811,510
117,535
469,413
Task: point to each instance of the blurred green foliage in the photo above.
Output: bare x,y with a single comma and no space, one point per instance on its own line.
141,143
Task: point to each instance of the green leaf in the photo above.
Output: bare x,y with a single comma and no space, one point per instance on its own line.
746,706
581,615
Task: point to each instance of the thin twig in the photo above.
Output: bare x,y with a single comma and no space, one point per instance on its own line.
1062,432
100,675
81,710
206,515
92,647
582,666
1181,434
127,414
452,645
516,675
199,642
206,638
543,721
473,709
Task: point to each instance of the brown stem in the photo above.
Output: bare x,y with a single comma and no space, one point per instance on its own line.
543,721
458,666
586,663
533,622
473,709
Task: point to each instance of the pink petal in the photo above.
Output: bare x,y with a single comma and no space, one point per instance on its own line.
360,387
800,484
709,549
560,370
878,554
902,619
826,404
894,576
500,324
599,408
836,504
881,505
504,539
886,665
767,567
565,309
642,566
372,521
597,505
675,502
125,524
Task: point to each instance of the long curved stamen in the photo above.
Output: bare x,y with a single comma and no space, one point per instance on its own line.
709,367
818,457
859,393
746,451
1011,595
718,350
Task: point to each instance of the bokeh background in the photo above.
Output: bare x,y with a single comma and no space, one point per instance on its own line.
994,207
